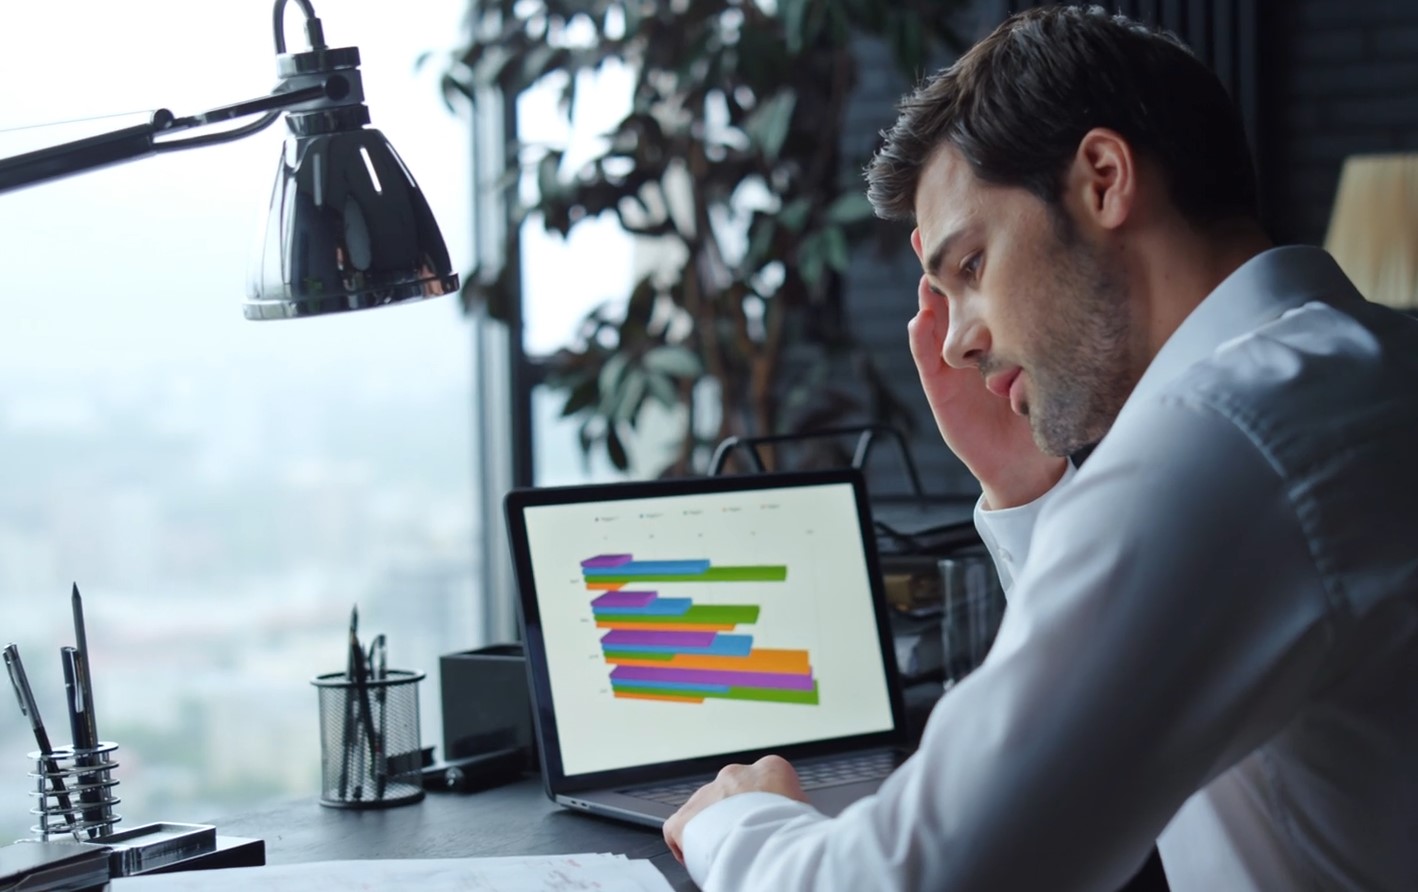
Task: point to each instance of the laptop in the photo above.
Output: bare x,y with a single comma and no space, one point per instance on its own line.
676,626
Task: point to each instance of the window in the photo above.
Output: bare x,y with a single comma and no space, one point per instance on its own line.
222,490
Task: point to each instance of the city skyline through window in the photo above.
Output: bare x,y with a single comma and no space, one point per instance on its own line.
222,491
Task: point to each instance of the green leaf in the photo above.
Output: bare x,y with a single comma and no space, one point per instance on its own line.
811,259
662,389
548,180
582,396
760,241
631,396
834,249
794,16
767,127
850,207
793,215
608,382
673,361
616,450
638,311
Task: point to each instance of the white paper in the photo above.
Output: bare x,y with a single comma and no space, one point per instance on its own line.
535,873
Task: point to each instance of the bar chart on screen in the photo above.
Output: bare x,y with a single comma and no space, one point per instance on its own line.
691,625
672,650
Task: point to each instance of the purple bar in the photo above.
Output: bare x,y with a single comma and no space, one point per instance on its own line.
608,560
624,599
630,637
781,680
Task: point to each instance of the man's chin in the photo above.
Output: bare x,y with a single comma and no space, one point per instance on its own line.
1059,444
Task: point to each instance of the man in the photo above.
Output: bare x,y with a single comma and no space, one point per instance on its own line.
1212,634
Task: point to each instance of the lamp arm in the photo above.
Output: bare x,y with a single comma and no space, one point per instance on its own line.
141,140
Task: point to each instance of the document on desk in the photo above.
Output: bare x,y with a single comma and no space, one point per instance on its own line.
533,873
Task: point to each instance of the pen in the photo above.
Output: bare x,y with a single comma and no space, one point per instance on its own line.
81,641
41,737
379,669
366,713
347,752
82,728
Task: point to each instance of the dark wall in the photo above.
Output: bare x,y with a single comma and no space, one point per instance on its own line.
1322,79
1338,78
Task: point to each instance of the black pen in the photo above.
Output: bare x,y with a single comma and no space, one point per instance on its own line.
82,727
347,751
81,642
379,669
367,714
41,737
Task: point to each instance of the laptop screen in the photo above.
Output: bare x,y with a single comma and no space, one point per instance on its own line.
678,625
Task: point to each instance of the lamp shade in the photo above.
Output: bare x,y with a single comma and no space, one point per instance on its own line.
348,229
1373,231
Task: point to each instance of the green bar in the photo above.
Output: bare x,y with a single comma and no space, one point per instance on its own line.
774,695
705,614
763,573
765,695
637,655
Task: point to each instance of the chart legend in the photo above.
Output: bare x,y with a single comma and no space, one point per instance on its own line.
671,649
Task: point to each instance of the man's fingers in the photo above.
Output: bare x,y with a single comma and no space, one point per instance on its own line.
920,334
674,827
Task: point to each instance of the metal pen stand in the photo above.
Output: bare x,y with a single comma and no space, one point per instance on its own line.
75,792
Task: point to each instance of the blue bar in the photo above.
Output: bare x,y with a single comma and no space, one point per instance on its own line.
723,646
618,685
657,607
648,568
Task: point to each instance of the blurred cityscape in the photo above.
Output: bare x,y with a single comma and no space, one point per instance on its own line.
219,537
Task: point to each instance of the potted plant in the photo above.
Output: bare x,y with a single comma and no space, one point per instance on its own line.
730,158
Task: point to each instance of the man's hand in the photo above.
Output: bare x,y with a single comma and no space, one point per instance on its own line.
995,444
771,774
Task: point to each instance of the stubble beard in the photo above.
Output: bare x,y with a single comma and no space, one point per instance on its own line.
1083,372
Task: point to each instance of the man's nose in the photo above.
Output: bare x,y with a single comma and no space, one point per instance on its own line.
967,341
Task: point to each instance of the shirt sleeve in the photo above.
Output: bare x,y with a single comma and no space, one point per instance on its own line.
1168,621
1007,532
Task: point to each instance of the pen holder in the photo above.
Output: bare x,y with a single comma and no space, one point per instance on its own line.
370,750
75,792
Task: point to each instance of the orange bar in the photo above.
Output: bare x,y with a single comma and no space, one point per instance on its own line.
794,662
605,586
663,627
624,695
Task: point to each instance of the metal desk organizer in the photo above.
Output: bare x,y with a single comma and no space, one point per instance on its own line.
76,792
74,789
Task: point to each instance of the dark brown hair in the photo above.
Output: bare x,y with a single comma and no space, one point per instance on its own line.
1018,103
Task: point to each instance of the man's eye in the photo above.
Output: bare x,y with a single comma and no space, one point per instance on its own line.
970,267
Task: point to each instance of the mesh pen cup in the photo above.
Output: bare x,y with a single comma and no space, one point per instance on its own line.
370,750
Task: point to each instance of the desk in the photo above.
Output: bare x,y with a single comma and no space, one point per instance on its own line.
517,819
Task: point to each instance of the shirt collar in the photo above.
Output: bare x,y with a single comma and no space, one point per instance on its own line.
1261,289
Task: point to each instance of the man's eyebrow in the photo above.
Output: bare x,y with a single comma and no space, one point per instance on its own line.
937,255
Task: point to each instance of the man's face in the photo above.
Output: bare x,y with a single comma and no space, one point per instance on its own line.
1032,304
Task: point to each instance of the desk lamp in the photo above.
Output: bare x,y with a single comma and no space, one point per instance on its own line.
1373,230
347,228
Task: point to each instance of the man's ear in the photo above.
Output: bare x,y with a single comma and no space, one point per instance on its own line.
1103,178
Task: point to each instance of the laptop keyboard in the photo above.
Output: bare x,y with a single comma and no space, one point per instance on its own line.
812,775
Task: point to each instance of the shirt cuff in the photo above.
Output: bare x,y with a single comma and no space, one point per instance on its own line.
1007,532
753,813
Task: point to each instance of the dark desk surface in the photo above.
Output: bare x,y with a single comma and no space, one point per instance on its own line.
517,819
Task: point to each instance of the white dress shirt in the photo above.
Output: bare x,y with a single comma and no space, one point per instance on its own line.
1211,640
